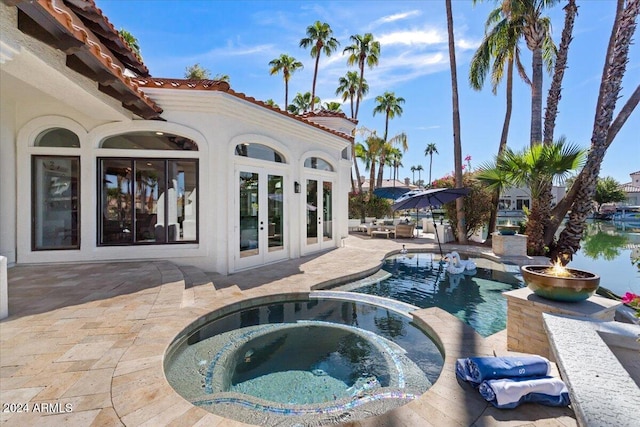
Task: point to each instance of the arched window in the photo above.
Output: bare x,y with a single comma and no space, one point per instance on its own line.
57,137
259,151
318,163
149,140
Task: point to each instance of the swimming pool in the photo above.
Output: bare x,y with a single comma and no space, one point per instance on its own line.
421,280
304,362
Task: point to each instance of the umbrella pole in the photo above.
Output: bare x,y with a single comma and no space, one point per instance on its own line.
435,229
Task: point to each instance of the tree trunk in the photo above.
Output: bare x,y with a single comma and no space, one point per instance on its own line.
383,157
504,136
553,98
536,98
610,86
457,143
313,87
540,205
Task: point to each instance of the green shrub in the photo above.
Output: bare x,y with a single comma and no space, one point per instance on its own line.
360,206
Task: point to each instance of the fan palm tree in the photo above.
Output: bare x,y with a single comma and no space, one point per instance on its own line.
461,233
532,168
320,39
413,174
369,152
364,51
419,168
389,105
394,161
301,103
288,65
430,151
349,86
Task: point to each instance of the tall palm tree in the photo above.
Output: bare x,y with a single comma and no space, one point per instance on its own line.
349,86
532,168
390,106
413,174
457,143
364,51
419,168
610,85
536,30
369,152
387,149
498,48
394,160
320,39
288,65
430,151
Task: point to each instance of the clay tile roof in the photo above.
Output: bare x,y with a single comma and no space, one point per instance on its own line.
92,45
327,113
99,24
221,86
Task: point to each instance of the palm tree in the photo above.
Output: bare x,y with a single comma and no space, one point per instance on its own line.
610,85
301,103
271,103
419,168
532,168
364,50
388,104
288,65
430,151
368,152
457,143
320,38
393,160
413,174
500,44
196,72
536,30
332,106
349,86
131,41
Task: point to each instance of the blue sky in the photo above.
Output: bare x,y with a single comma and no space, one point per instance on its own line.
239,38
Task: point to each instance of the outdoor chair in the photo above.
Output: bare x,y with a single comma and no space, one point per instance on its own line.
405,230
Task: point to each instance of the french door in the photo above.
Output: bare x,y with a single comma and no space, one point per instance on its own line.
319,226
260,217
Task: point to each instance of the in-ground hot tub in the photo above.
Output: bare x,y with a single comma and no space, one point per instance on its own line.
305,362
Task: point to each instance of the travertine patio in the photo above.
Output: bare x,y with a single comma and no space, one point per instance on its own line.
94,336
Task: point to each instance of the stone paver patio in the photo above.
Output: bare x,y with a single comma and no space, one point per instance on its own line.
86,341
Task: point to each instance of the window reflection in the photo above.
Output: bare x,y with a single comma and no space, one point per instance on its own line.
148,201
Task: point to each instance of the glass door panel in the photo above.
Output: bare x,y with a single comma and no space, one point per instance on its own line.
276,212
55,202
249,209
117,206
327,209
312,212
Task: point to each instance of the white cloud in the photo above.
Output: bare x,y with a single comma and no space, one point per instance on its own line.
397,17
413,37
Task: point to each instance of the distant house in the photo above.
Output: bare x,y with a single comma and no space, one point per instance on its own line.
519,198
632,189
100,161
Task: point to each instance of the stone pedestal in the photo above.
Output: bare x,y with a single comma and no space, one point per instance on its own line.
525,327
509,245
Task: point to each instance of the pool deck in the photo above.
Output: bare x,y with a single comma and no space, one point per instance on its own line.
91,338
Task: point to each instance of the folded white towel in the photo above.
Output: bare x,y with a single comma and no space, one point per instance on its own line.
510,392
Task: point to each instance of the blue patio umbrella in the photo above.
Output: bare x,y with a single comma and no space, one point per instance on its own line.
432,198
390,192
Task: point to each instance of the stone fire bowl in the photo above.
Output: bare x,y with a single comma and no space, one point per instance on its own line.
569,289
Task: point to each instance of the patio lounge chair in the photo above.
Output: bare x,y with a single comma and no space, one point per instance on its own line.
405,230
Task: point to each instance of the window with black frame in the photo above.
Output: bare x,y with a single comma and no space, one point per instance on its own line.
147,201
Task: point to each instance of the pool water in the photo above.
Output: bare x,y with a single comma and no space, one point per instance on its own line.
473,297
304,362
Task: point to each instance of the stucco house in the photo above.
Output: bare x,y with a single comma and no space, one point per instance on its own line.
100,161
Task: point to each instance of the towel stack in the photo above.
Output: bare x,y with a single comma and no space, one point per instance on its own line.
507,382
